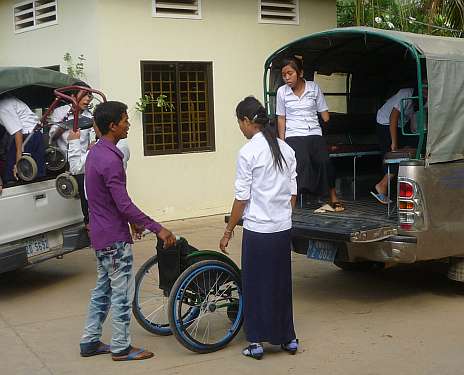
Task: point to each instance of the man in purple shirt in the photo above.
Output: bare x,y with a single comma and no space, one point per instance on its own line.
111,211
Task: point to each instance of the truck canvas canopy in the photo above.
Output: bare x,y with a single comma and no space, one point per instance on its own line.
364,50
33,85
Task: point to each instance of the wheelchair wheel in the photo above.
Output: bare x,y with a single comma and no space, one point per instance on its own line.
66,185
27,168
213,289
150,303
55,159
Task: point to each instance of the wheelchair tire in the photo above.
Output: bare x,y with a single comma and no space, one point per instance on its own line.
150,304
210,287
27,168
66,185
55,159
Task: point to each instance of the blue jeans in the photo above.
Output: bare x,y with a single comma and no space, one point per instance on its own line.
115,289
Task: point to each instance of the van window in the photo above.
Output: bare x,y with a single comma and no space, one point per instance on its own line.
334,88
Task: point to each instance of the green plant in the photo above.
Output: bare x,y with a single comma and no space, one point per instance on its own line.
436,17
160,101
75,70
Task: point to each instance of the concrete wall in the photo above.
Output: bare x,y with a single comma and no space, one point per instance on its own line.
117,34
74,33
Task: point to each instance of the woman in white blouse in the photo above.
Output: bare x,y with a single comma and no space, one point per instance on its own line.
265,192
298,103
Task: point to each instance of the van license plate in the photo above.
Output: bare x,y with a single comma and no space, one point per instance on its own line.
37,245
322,250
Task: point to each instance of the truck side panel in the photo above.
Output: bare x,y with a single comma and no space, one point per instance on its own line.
442,186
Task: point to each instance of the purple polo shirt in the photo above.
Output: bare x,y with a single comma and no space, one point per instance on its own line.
110,207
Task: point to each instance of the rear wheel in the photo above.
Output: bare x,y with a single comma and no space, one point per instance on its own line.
150,303
212,289
359,266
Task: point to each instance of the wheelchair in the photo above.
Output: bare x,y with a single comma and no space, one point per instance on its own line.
55,159
194,294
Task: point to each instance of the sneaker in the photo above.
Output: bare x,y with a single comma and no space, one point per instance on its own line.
291,346
254,350
382,198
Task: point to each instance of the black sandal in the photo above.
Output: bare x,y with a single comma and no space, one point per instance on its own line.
254,350
291,346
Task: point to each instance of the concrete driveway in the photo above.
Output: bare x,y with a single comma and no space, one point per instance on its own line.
398,321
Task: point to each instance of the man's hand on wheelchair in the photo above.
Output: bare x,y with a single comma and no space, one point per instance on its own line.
168,238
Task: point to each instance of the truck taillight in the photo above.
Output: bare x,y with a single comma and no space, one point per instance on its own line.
406,205
406,190
410,205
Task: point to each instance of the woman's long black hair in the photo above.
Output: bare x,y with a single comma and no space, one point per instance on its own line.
251,108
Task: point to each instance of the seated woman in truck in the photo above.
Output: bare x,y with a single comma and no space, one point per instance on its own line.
19,121
298,103
390,137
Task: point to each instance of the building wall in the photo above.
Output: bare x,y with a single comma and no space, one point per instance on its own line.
74,33
117,34
188,185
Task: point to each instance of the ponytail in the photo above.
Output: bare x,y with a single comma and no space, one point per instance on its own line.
251,108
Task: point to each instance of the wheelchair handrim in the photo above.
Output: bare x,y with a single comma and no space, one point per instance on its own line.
182,325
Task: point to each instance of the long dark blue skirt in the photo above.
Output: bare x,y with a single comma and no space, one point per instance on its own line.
35,146
267,287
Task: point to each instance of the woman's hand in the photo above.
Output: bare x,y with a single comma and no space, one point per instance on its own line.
224,242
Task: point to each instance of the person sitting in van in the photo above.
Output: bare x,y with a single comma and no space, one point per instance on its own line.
19,121
389,136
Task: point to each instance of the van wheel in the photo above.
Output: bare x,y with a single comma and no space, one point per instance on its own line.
360,266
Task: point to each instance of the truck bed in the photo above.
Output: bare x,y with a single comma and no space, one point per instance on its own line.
363,220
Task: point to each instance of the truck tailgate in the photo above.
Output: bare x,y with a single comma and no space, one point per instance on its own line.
31,209
362,221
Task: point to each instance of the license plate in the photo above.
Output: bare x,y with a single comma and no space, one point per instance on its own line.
322,250
37,245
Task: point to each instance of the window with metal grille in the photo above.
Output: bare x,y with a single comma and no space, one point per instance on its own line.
183,120
177,8
30,15
279,11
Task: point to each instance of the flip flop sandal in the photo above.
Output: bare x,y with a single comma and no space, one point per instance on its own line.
133,356
291,346
382,198
255,351
337,206
101,349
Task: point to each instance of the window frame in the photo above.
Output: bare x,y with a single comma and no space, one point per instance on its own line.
277,21
155,14
211,124
35,26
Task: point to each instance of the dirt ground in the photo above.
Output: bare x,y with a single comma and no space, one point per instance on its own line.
400,321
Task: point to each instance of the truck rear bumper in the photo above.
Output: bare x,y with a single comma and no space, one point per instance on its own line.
14,256
396,249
